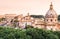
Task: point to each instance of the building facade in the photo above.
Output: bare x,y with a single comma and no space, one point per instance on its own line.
49,22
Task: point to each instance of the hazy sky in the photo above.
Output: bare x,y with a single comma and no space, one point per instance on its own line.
25,6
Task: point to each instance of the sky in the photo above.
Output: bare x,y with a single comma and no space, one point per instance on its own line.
33,7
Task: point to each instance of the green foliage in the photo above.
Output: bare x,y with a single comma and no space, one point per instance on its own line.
29,33
28,26
2,19
16,20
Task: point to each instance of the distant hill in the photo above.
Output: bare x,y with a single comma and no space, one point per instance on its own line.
37,16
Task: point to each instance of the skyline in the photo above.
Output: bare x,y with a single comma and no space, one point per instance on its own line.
37,7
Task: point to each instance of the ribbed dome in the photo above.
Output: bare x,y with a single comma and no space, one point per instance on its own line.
51,13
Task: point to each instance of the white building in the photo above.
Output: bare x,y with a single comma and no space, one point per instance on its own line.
50,21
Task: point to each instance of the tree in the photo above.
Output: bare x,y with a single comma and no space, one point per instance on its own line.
28,26
51,36
29,33
16,23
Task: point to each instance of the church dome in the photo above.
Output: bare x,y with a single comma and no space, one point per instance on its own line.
51,12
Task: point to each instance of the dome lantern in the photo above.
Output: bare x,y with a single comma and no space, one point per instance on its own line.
51,6
51,12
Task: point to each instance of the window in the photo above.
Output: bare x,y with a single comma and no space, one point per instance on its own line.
51,20
47,19
55,19
51,14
